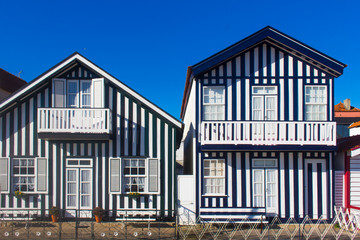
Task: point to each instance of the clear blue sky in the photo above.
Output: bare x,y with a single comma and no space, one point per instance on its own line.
149,44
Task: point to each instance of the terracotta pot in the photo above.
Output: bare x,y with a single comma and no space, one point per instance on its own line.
98,219
54,218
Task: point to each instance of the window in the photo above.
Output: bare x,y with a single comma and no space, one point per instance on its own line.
75,93
24,174
73,90
214,176
264,103
214,103
134,175
29,174
85,94
315,103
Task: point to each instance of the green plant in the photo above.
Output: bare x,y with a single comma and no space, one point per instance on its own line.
19,194
55,211
134,194
98,211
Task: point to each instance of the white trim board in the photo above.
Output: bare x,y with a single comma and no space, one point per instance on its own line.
89,64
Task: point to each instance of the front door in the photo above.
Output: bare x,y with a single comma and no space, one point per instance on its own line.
265,185
78,187
78,192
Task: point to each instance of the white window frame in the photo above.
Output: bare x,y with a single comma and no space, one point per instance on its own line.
82,93
122,186
79,165
214,104
214,177
77,99
145,175
318,104
264,95
12,175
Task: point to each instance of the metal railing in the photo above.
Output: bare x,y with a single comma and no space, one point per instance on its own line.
74,120
268,132
143,224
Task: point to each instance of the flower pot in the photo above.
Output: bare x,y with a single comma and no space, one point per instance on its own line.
54,218
98,219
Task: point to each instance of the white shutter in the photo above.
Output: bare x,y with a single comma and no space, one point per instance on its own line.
153,177
59,92
98,93
4,175
115,175
41,175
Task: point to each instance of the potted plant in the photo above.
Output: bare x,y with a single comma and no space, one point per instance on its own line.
98,213
19,194
134,194
55,213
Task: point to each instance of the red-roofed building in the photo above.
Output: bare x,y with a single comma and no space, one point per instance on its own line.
9,83
345,115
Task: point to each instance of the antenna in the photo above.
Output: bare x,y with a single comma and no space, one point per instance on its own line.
18,75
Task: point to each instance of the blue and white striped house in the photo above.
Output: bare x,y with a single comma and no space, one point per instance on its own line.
259,131
76,138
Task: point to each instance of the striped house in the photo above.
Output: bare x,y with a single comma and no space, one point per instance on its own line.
76,138
259,132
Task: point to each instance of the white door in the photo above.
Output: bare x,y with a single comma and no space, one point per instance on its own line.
265,187
78,188
271,190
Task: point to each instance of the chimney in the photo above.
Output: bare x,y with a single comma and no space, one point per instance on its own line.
347,104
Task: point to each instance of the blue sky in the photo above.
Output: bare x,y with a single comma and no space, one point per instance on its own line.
148,45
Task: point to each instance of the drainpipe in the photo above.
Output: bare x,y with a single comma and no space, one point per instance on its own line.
347,180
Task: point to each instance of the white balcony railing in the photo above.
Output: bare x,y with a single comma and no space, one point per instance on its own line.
268,133
74,120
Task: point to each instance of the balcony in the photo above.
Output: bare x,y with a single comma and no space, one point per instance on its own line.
268,133
74,123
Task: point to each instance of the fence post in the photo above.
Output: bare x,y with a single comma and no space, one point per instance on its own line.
76,224
125,225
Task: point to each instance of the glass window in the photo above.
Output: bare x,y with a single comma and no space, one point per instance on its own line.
134,175
85,94
214,176
24,174
315,103
214,103
73,91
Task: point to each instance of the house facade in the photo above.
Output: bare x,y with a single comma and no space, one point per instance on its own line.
259,131
77,138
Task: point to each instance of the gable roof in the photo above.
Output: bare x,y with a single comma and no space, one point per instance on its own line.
10,82
270,34
276,37
68,62
340,107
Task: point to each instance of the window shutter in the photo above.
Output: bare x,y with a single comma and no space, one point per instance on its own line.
153,175
98,93
115,175
59,92
41,174
4,175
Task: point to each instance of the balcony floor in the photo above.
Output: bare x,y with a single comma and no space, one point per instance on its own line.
246,147
74,136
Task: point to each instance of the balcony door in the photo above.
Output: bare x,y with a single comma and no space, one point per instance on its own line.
264,108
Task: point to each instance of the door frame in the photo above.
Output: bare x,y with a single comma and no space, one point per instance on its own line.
78,167
264,169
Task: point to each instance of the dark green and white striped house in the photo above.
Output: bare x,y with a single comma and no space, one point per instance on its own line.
76,138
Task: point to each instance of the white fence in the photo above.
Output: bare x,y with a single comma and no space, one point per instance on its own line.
74,120
268,132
